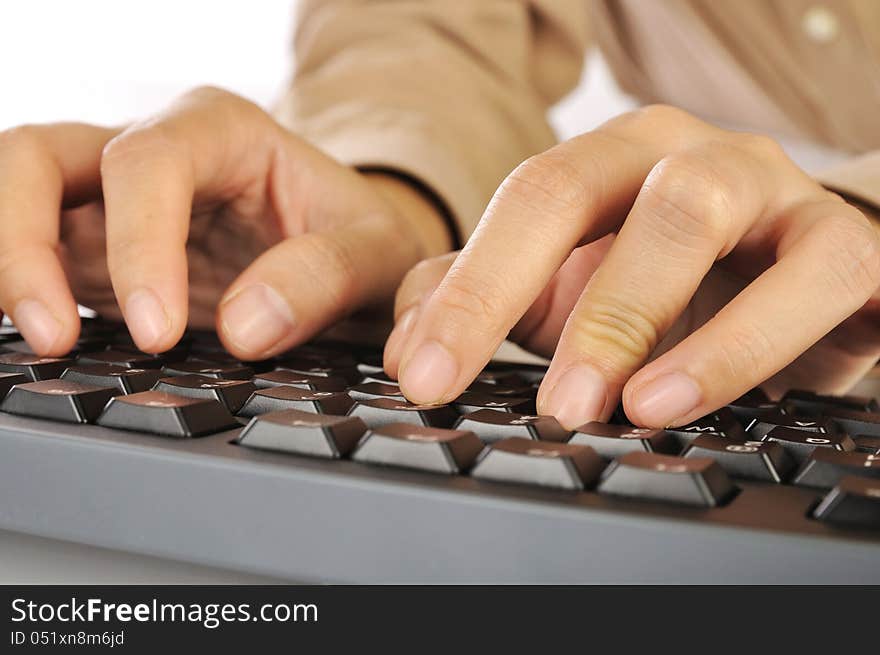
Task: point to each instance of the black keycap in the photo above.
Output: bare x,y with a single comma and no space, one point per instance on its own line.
612,441
126,380
852,422
231,393
801,443
349,373
276,399
380,377
33,367
158,412
487,389
125,359
698,481
369,363
752,460
750,406
531,373
58,400
721,423
854,501
317,354
382,411
418,447
298,380
303,433
809,403
524,461
501,377
867,444
473,402
371,390
826,467
8,380
764,423
491,426
227,371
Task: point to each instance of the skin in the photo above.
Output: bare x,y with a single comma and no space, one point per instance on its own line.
660,261
210,213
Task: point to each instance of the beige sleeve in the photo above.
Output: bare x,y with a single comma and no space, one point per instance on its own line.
857,178
453,93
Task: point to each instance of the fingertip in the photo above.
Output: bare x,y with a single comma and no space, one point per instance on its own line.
397,340
255,321
429,375
580,395
150,323
47,334
665,400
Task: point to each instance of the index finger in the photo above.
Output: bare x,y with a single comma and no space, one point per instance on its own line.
574,193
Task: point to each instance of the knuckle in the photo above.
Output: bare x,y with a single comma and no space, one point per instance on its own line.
854,248
658,116
548,181
469,306
23,140
135,143
761,145
688,201
616,334
334,269
745,352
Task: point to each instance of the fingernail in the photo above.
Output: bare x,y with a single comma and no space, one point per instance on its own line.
429,374
398,336
256,318
579,396
34,320
146,318
666,398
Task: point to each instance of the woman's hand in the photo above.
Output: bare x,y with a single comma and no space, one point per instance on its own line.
664,261
209,208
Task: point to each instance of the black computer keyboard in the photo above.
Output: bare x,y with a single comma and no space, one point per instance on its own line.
313,466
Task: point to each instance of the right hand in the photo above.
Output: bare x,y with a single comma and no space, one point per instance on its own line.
210,212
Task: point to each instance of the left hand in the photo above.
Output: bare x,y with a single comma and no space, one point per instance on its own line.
665,262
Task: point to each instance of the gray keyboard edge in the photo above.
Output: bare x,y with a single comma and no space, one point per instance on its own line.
206,501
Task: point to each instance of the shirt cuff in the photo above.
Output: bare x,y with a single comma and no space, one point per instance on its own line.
857,178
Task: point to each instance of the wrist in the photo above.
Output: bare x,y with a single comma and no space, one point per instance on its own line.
417,207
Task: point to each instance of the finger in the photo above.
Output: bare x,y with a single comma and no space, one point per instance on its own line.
827,270
692,209
576,192
211,146
47,166
418,285
306,283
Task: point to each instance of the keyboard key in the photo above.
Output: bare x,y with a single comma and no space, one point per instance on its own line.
298,380
752,460
125,359
490,426
750,406
697,481
418,447
126,380
303,433
349,373
227,371
531,373
473,402
721,423
501,378
276,399
867,444
380,377
158,412
371,390
801,443
33,367
767,422
852,422
487,389
382,411
58,400
854,501
826,467
809,403
8,380
524,461
231,393
612,441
